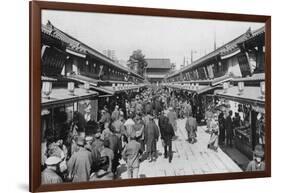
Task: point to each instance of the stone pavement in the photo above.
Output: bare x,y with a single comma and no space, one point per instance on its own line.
188,159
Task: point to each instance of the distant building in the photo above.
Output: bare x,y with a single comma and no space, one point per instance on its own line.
157,68
110,54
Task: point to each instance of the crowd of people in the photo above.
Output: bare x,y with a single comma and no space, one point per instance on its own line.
130,134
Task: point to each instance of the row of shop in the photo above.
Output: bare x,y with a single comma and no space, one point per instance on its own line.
245,96
230,78
77,82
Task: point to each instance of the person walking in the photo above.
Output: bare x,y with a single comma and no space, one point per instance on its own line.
115,145
80,163
139,129
221,120
172,116
167,134
191,128
131,154
151,135
115,114
106,151
214,130
129,127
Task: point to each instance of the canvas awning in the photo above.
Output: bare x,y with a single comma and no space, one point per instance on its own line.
83,79
199,90
250,95
62,96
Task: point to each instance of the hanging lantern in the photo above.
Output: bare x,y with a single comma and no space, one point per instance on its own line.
240,87
225,87
87,86
47,89
197,86
70,87
262,89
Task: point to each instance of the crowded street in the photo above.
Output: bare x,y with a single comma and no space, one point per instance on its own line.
101,120
187,159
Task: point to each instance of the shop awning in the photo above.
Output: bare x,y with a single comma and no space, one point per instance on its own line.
221,80
199,90
83,79
62,96
250,95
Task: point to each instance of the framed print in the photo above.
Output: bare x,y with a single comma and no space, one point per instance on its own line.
127,96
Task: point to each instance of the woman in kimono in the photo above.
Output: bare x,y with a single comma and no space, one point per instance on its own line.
214,137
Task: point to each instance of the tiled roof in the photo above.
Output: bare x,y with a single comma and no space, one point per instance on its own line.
158,63
46,78
223,50
77,46
62,95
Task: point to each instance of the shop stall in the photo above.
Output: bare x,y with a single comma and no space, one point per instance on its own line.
245,97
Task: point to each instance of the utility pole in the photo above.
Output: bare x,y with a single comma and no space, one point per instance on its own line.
215,40
191,55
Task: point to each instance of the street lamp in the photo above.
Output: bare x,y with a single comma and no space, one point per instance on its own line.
47,89
240,87
70,87
262,89
87,86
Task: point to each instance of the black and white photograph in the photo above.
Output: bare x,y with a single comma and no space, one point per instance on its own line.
136,96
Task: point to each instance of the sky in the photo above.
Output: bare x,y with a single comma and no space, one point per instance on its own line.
157,37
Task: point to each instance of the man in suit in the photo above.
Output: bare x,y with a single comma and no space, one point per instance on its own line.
80,163
131,154
172,116
191,128
167,134
229,129
115,145
151,135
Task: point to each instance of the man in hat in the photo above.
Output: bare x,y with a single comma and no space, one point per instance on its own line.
229,129
115,145
98,143
172,116
105,117
191,128
50,175
80,163
118,126
106,132
151,135
129,126
106,151
96,148
257,164
102,173
167,133
115,113
131,154
89,141
139,129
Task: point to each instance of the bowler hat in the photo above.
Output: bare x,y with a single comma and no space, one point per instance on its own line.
259,152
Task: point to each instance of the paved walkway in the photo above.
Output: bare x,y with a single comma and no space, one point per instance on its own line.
188,159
